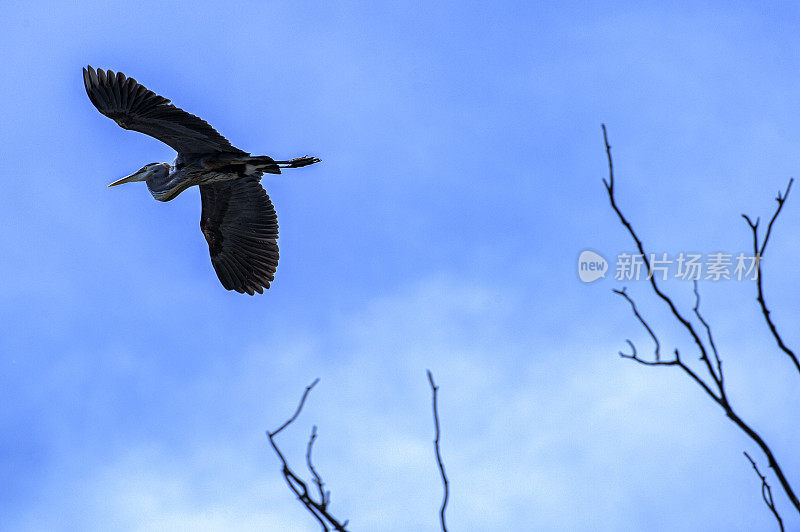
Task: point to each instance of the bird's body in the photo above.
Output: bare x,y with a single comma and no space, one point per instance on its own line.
238,219
167,181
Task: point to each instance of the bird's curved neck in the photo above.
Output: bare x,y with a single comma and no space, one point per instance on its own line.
166,183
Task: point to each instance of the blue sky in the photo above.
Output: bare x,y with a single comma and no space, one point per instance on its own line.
461,178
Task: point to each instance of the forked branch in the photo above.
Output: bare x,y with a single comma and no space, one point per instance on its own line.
319,509
766,493
758,252
712,382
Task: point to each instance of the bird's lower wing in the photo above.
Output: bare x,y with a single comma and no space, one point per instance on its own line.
241,227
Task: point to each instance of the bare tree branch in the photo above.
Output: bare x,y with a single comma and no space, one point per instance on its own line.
658,361
318,509
445,483
766,493
653,283
758,251
715,386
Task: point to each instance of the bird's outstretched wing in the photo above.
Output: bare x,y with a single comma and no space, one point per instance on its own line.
133,106
241,227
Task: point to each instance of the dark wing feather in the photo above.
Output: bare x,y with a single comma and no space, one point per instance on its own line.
241,227
133,106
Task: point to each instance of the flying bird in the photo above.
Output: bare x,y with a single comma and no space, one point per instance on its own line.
238,219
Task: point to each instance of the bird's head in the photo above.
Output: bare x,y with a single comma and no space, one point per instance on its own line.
144,173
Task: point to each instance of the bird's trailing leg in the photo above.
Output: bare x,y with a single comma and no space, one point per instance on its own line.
297,162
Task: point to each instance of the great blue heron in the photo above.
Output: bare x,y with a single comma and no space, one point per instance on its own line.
238,219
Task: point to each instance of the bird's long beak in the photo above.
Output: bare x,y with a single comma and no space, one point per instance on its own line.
140,175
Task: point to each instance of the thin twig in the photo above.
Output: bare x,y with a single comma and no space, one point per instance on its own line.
318,509
624,294
445,483
296,412
758,251
766,493
719,377
324,496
